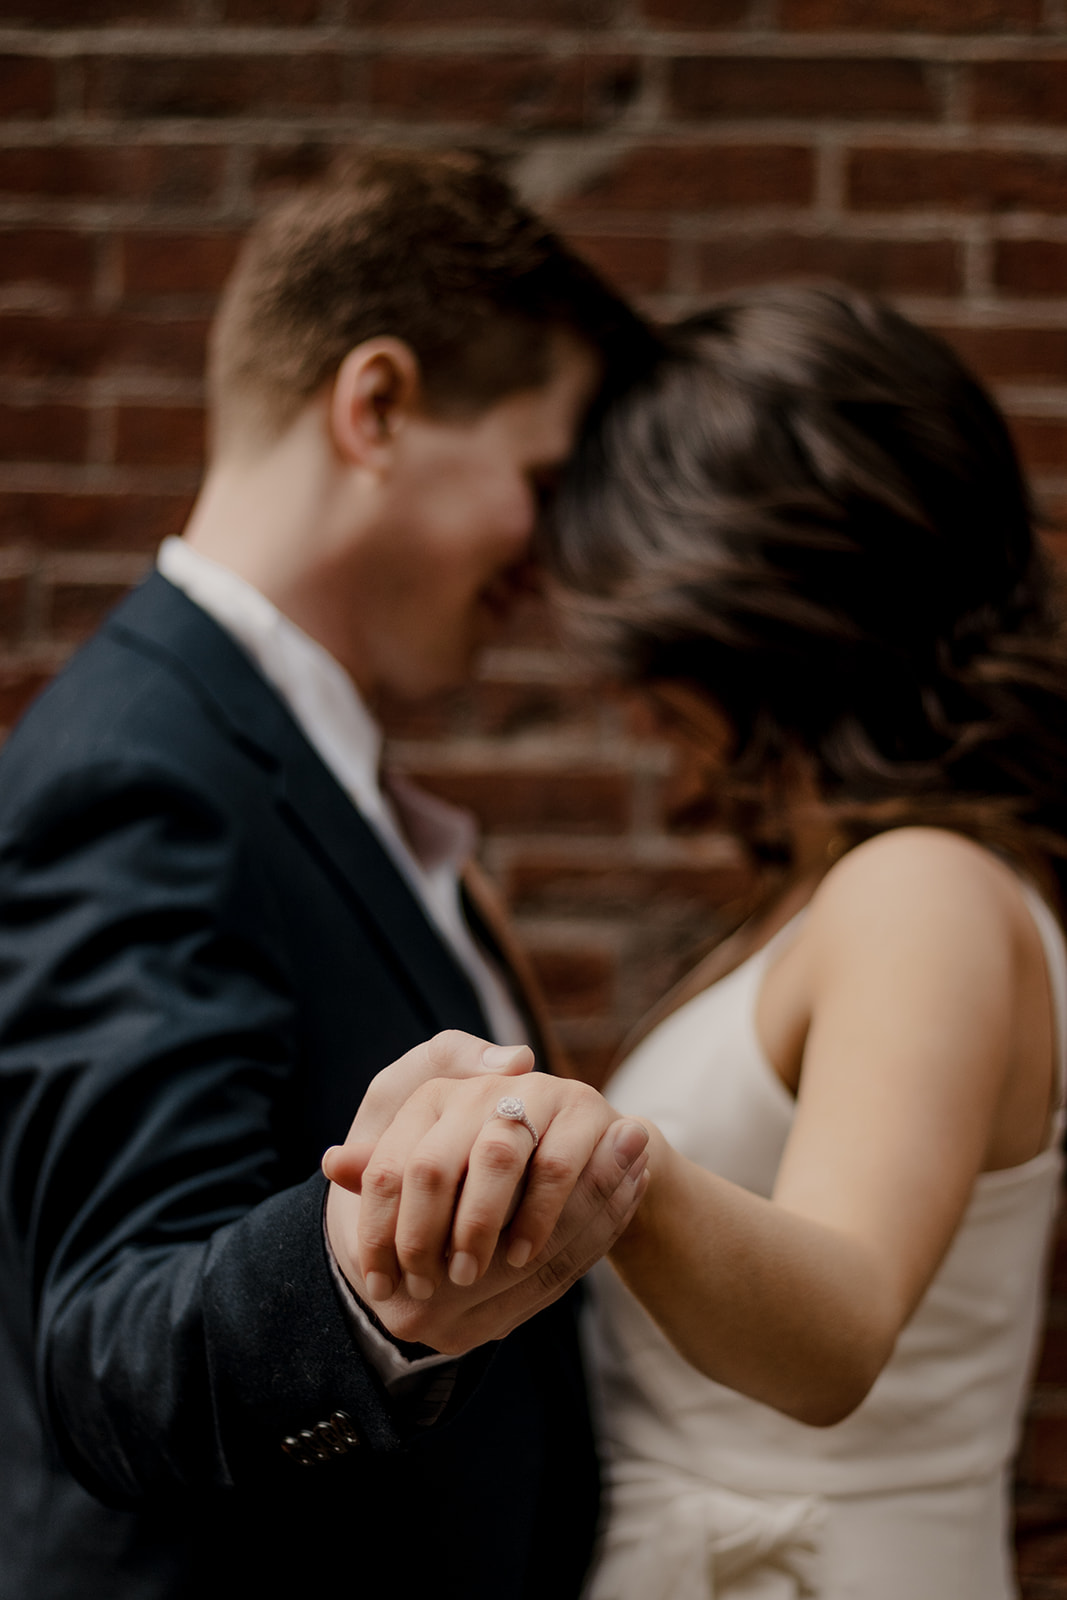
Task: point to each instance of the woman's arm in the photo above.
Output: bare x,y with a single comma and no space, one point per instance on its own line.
912,960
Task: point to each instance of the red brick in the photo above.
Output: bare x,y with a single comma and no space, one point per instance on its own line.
576,982
1052,1365
281,167
490,709
77,609
1019,91
505,710
1044,1456
159,436
87,346
710,87
547,883
177,263
1058,1270
174,174
27,86
883,266
55,256
19,685
532,802
94,13
1032,355
1031,266
1041,1543
92,521
558,13
43,433
696,177
1054,532
14,599
277,13
214,86
530,91
957,180
702,14
1041,442
947,16
634,264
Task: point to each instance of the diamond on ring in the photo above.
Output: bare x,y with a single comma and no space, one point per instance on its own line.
509,1108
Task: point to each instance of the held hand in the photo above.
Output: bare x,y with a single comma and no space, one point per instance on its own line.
446,1178
456,1318
451,1054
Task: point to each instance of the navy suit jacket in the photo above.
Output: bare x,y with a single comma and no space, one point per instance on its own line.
205,955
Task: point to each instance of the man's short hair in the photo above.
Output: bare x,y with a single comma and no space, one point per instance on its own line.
434,248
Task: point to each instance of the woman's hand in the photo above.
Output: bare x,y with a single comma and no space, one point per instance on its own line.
446,1176
450,1054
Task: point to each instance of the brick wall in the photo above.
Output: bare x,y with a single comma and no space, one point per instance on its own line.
915,147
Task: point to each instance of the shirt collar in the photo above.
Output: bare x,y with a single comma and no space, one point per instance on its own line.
322,697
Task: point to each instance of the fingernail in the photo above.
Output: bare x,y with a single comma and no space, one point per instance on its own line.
418,1288
379,1287
501,1057
463,1269
631,1141
327,1155
519,1252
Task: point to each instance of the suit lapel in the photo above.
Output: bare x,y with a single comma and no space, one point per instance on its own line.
160,621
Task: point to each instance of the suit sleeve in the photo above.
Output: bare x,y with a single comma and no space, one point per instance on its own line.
179,1308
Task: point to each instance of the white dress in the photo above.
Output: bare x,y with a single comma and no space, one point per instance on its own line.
710,1494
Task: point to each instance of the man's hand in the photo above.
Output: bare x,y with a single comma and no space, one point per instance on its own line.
424,1243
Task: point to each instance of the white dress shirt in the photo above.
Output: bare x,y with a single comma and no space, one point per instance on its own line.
429,840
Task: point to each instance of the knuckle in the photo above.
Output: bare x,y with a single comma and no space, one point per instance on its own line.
555,1273
553,1171
376,1241
499,1155
443,1048
413,1250
479,1227
426,1175
383,1180
603,1187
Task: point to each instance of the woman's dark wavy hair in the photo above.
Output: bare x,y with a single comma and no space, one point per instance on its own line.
808,509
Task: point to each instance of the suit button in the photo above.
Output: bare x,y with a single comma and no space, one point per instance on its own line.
295,1447
325,1440
346,1428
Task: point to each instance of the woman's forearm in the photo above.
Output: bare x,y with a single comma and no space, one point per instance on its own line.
781,1308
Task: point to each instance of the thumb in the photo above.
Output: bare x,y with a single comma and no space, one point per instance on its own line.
345,1164
510,1059
451,1054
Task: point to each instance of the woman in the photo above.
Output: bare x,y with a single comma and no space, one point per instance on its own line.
806,536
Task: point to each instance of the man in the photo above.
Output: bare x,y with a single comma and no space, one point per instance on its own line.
219,925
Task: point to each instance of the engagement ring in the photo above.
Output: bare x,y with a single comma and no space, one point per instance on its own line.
509,1108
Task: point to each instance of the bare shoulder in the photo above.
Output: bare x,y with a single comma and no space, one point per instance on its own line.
927,882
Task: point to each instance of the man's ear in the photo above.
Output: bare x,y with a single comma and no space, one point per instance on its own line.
377,387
